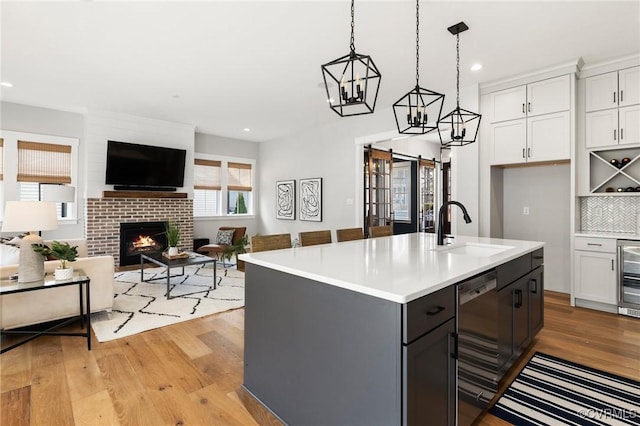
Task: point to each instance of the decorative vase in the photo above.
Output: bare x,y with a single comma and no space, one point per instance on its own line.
61,274
173,251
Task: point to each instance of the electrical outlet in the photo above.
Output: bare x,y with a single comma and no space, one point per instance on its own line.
525,210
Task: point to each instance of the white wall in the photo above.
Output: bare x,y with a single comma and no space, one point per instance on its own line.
45,121
235,148
546,191
334,152
102,126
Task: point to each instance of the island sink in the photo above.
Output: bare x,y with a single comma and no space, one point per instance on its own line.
473,249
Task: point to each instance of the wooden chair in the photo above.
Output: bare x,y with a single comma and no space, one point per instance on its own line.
349,234
380,231
270,242
313,238
217,249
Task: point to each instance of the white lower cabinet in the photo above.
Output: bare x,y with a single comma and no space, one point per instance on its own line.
596,270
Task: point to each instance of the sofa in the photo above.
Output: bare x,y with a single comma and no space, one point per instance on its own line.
23,309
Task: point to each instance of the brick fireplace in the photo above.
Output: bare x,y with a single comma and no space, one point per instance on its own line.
104,216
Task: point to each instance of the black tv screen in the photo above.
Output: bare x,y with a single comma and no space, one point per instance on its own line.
135,165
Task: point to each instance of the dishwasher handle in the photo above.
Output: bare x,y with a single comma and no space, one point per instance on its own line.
476,287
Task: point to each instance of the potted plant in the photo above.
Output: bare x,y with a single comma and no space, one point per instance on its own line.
172,231
237,248
64,253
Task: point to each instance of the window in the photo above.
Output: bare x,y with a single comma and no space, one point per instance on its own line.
41,159
222,187
239,188
401,178
206,189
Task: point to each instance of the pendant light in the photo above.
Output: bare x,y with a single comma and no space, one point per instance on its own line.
355,78
460,126
415,109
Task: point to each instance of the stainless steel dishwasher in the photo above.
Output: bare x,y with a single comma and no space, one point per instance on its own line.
477,327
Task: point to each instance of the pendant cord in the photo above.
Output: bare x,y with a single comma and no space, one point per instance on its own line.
352,43
417,41
458,70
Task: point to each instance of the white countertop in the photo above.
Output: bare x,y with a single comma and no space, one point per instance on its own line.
400,268
614,235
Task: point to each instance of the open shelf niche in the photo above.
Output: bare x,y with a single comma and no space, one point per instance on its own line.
605,175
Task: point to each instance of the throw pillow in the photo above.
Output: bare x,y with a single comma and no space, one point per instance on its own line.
9,255
225,237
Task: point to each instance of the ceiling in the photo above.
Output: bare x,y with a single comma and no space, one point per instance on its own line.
224,66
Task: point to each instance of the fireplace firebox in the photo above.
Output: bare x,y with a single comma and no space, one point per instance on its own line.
141,237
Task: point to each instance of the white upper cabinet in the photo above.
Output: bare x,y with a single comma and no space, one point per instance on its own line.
613,109
509,104
542,97
613,89
549,96
531,123
629,86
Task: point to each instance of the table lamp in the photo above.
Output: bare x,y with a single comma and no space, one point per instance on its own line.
20,216
58,193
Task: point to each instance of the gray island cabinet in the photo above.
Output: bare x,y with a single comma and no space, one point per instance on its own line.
363,332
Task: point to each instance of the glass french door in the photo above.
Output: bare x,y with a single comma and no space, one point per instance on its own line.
377,189
428,195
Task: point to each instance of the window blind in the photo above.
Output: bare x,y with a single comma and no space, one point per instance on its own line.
44,162
239,175
207,174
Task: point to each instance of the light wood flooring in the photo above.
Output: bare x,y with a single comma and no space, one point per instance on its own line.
191,373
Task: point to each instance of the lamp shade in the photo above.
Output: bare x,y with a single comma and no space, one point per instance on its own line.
58,193
21,216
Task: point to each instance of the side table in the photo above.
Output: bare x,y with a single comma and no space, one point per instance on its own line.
79,279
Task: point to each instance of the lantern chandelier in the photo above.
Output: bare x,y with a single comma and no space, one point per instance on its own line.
460,126
414,110
355,78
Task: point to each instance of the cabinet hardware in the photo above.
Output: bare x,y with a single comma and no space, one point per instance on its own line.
614,97
533,290
614,134
594,244
612,265
621,134
529,152
518,299
435,310
523,153
523,108
622,96
454,353
529,106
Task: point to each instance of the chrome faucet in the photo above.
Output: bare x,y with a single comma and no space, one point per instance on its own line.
466,217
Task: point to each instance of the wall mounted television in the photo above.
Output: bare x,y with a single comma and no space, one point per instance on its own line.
144,167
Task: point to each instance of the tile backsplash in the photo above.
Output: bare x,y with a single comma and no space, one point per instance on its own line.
609,214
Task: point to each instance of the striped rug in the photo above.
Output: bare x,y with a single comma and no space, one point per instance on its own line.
552,391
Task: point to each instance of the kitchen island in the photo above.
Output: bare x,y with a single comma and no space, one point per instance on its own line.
350,333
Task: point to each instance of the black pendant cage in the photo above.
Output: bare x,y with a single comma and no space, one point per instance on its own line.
354,81
459,127
418,111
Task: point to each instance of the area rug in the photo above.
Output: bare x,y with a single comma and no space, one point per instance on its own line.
552,391
141,306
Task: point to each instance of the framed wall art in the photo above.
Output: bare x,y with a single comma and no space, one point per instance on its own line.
311,199
286,199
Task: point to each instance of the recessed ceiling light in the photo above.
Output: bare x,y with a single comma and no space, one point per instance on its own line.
246,129
476,67
6,84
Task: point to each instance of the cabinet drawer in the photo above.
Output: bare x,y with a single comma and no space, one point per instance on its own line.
512,270
605,245
428,312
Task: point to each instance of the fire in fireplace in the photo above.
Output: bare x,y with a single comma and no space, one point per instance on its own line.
140,237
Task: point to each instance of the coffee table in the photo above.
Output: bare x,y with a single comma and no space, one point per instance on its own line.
193,259
8,286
